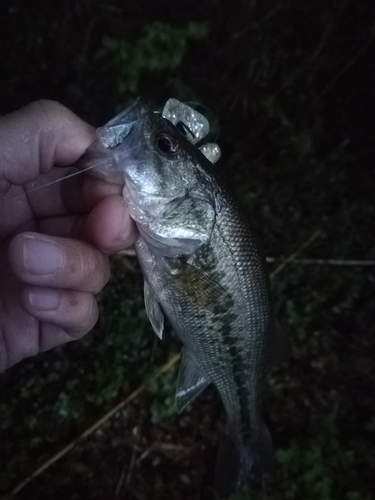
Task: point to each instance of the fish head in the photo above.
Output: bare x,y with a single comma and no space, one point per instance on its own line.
168,188
160,171
167,179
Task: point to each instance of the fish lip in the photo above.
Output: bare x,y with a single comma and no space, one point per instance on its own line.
137,110
117,130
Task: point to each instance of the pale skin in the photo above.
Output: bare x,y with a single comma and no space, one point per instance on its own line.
54,241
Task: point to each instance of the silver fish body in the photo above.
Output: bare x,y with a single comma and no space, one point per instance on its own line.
204,270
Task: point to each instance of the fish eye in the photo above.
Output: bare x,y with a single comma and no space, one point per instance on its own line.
167,144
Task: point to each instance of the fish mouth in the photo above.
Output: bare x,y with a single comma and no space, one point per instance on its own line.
119,141
120,127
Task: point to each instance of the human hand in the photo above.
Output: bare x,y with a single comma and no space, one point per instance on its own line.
54,241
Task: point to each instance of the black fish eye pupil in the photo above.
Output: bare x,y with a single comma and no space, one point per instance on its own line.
166,144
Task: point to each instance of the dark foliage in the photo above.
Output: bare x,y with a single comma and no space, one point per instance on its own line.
290,88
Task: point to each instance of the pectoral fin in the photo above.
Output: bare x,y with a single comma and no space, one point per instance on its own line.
153,310
190,381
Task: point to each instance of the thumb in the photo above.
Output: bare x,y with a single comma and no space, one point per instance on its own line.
39,136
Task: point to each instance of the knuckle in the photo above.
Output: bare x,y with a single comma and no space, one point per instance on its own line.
45,107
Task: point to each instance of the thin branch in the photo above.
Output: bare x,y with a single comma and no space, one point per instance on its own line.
130,469
96,426
328,262
121,480
347,66
145,454
296,253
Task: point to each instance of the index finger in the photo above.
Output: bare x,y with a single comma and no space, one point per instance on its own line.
39,136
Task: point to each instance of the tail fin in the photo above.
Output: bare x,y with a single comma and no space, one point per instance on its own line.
240,456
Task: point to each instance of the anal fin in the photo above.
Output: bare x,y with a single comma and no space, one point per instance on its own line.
153,311
191,382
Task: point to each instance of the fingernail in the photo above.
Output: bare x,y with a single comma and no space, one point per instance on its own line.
44,299
41,255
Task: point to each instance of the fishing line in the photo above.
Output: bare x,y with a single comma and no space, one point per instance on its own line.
100,162
4,198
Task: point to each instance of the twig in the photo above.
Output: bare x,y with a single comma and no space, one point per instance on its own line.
347,66
95,426
328,262
145,453
121,480
296,253
133,455
130,469
164,448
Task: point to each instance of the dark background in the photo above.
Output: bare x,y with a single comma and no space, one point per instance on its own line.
289,87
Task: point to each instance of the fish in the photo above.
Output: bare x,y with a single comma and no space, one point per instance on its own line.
203,269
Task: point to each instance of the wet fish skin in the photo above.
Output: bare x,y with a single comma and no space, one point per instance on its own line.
204,270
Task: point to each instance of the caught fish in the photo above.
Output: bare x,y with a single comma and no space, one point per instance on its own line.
202,268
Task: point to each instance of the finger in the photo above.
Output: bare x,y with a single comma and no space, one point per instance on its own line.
39,136
75,312
18,331
108,227
44,194
84,195
51,336
58,262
